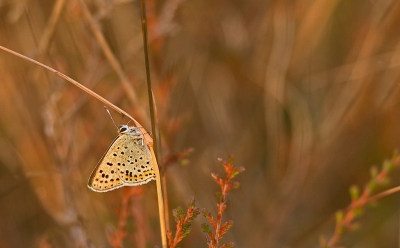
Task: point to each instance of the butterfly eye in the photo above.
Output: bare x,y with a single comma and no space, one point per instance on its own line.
122,129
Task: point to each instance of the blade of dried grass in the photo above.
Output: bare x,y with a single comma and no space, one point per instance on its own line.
148,139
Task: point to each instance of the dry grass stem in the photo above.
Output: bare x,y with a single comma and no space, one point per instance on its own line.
148,139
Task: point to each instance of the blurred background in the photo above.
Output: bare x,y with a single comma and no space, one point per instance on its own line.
304,94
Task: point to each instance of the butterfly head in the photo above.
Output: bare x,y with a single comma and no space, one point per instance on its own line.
125,129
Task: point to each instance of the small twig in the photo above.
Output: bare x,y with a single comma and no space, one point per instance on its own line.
382,194
345,219
179,157
116,239
168,160
141,235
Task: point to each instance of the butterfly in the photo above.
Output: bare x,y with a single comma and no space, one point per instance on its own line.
127,162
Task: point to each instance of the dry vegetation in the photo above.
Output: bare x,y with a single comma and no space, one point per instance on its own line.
304,94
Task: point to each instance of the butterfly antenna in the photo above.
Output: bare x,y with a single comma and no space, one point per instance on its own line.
110,116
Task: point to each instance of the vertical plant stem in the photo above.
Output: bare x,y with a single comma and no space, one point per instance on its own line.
146,60
165,195
153,125
160,201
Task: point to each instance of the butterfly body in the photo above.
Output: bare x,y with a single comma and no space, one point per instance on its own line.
127,162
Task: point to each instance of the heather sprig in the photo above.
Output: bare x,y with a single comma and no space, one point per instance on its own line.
183,223
217,228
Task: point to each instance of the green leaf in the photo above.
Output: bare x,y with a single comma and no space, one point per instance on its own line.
178,213
206,228
374,171
228,245
354,192
388,165
322,242
206,213
339,216
235,185
371,186
358,211
192,202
